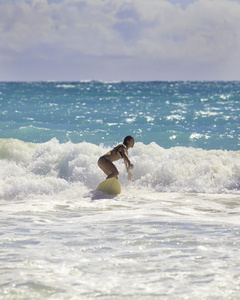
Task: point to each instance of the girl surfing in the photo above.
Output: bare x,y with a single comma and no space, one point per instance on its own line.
105,162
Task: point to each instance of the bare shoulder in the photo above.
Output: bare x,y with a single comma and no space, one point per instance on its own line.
123,148
120,147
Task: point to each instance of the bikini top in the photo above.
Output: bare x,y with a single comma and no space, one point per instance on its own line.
119,149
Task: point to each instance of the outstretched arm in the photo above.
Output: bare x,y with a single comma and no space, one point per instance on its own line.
128,164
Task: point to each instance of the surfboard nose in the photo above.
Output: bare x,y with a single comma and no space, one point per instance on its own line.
110,186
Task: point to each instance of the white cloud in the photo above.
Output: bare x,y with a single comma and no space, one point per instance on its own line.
206,31
151,32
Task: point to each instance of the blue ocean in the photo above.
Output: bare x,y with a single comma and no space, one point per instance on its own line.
188,114
173,232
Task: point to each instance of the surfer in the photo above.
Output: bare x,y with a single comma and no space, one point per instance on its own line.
105,162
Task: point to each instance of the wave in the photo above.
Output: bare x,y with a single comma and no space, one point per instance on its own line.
70,170
65,86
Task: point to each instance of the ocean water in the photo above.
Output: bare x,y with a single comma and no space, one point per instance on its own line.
173,232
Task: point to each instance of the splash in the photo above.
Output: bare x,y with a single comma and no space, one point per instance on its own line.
70,170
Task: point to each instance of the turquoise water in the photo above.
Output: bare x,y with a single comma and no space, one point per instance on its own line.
172,233
190,114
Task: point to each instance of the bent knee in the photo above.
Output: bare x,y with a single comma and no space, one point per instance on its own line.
116,173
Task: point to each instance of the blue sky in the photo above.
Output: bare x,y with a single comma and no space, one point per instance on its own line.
112,40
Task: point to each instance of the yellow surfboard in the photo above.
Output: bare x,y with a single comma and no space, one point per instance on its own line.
110,186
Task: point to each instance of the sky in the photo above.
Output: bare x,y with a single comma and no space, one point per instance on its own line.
115,40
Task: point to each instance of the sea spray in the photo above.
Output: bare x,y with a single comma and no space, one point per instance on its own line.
52,168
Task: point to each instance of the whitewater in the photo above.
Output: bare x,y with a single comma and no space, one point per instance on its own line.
173,232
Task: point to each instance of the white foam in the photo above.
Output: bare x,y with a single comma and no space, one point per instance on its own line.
52,169
68,241
65,86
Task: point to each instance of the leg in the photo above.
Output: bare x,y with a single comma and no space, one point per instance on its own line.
108,167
